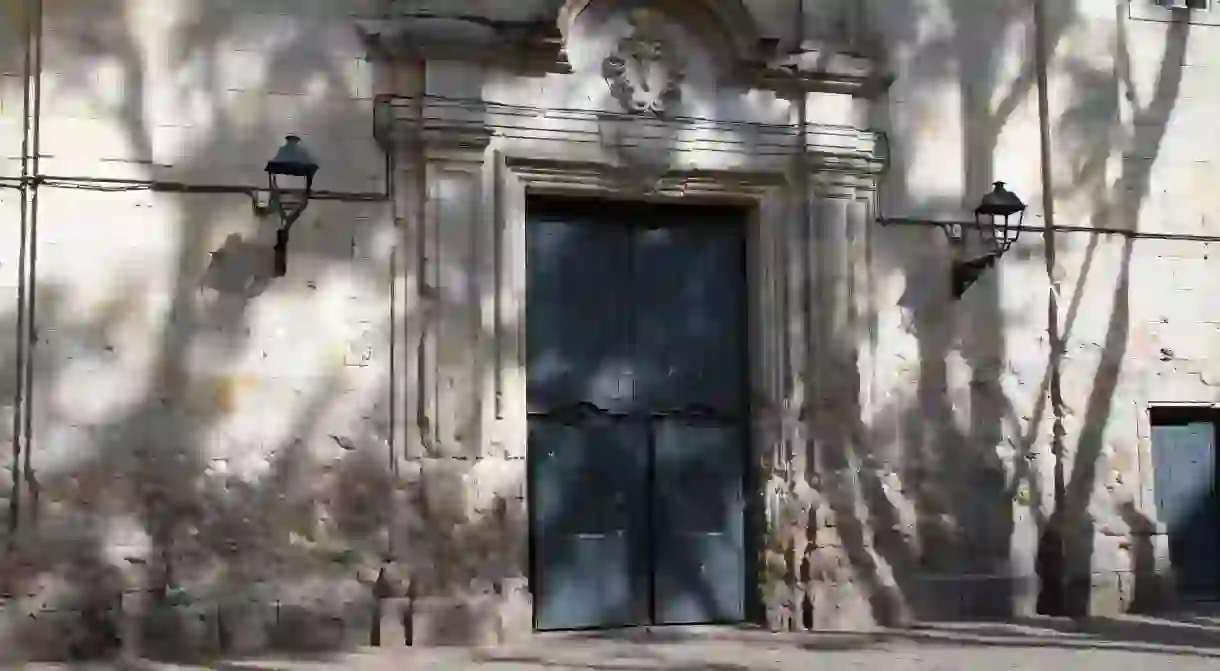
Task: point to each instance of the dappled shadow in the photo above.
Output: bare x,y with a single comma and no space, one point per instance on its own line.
282,541
133,524
677,649
623,665
239,268
1161,637
1124,202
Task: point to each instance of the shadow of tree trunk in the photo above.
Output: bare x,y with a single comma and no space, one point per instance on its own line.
1125,201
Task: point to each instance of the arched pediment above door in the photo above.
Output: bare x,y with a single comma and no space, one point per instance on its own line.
721,35
725,28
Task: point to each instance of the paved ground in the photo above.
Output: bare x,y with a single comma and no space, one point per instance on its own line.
1126,644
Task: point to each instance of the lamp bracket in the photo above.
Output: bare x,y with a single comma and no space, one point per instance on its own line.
966,273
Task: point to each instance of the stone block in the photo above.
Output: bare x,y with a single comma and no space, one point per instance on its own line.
842,606
513,434
410,473
323,614
394,624
779,616
1025,591
180,633
448,491
987,597
304,627
497,479
43,636
935,597
1105,594
1153,592
455,621
1126,589
516,536
394,580
1110,554
246,627
516,610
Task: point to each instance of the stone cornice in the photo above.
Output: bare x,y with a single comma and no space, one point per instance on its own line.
820,69
534,47
538,47
569,133
565,177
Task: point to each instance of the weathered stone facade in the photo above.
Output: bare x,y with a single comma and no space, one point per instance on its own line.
226,461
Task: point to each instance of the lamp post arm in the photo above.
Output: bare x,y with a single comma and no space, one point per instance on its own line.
281,239
287,222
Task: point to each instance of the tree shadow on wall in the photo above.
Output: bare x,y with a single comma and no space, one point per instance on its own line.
956,535
1122,203
139,505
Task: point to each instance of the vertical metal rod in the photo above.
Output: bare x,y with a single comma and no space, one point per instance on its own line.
1041,59
19,388
32,298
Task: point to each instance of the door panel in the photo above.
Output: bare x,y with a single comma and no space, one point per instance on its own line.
577,339
636,397
700,571
1184,479
590,529
689,303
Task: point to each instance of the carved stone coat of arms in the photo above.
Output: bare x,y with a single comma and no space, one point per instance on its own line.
642,71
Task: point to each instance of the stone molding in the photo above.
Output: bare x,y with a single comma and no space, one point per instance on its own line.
539,47
727,22
579,137
528,47
525,151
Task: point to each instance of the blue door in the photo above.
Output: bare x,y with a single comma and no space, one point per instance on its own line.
689,375
1184,479
636,369
591,530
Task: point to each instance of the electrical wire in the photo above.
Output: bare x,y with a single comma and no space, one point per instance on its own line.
117,185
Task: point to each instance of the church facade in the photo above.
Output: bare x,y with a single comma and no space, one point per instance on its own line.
603,313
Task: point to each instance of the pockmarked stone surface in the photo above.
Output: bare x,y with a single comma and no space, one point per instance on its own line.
202,458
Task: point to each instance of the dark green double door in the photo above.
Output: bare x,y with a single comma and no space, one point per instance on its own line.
638,422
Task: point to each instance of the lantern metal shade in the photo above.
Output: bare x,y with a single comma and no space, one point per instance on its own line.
293,160
1000,202
999,206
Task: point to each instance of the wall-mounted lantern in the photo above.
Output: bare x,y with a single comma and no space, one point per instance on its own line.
994,220
290,177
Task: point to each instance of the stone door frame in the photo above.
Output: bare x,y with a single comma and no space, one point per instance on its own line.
465,170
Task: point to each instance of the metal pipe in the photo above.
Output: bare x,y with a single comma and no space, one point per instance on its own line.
1052,309
32,293
19,388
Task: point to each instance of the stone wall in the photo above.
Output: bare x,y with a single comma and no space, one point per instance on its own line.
1135,99
251,462
208,444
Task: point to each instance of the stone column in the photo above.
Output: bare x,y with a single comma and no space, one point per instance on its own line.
466,536
829,576
848,583
779,280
